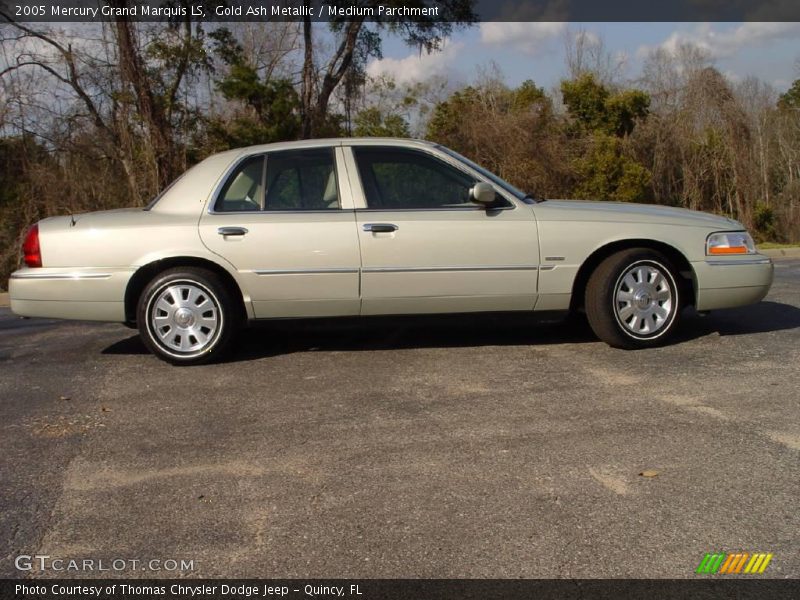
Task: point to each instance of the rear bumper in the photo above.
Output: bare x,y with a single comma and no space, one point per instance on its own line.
732,282
60,293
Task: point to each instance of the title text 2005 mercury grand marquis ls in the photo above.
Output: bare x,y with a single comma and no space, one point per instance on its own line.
375,227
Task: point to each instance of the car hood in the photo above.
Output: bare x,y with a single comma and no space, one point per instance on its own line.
585,210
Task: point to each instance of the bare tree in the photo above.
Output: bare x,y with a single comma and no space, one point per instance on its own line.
316,93
356,42
586,52
133,76
57,56
758,101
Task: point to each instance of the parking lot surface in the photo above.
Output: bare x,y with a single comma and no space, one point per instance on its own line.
475,446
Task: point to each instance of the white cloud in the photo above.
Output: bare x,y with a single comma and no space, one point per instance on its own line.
417,66
724,44
527,37
587,38
733,77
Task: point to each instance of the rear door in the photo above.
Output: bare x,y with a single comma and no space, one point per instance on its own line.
285,220
426,248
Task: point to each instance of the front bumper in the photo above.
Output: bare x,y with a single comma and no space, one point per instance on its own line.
732,282
90,294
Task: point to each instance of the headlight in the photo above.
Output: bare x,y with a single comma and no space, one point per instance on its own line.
730,242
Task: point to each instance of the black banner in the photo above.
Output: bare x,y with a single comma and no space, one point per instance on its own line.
394,10
400,589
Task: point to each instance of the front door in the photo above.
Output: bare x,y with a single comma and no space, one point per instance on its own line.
284,219
426,248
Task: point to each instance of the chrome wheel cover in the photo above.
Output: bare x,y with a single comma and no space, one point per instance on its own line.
184,318
645,299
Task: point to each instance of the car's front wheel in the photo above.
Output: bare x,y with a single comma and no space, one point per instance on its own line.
187,316
633,299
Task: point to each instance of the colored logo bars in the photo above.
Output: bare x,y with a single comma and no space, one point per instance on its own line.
734,564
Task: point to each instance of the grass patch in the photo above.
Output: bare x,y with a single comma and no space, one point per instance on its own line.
774,246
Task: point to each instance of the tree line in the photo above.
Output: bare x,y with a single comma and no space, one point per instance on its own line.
105,115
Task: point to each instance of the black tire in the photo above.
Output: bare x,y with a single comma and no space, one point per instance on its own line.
647,318
194,329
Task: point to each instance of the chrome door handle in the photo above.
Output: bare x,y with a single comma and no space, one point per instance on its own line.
231,231
380,227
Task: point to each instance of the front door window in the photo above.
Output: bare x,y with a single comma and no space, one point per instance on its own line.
400,179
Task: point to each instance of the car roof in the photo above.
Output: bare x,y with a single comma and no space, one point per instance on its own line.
346,141
204,176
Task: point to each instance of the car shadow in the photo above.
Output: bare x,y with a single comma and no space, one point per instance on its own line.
763,317
272,338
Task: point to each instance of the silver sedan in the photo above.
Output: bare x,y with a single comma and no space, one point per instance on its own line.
347,227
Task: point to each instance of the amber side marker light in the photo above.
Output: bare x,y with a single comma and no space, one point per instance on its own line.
728,250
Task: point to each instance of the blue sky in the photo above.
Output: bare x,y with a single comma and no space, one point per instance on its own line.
770,51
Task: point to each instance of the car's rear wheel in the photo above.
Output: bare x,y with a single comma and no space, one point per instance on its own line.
633,299
187,316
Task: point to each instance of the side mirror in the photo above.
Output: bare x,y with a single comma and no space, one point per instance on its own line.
483,193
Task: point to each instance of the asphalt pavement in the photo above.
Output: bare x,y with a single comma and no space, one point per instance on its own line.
433,447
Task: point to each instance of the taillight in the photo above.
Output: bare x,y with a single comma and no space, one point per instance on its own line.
30,248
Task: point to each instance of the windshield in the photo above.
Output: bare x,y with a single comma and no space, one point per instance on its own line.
518,194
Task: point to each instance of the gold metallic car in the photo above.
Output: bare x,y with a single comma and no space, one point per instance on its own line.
375,227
